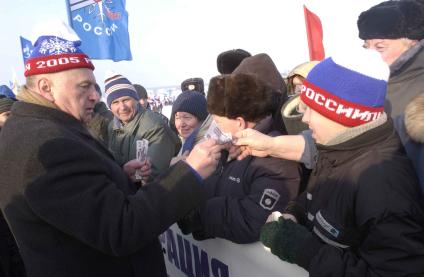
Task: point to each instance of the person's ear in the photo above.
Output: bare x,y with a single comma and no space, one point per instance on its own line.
45,88
241,123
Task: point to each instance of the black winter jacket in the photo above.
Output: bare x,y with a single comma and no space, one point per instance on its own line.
242,194
72,209
11,264
365,209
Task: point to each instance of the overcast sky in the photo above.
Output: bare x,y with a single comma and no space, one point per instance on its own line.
172,40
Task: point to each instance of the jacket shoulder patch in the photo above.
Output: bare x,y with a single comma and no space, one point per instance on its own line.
269,199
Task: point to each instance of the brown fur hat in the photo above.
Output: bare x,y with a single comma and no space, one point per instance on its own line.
414,118
263,66
243,95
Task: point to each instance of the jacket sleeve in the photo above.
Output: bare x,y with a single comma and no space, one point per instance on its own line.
162,147
90,199
309,155
390,218
240,218
393,247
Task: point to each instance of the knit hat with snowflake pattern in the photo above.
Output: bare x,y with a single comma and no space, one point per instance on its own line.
56,49
349,89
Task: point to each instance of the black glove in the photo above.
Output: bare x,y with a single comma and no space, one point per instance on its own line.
190,223
286,239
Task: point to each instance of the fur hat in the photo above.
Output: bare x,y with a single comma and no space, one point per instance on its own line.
191,102
119,86
349,89
5,104
141,91
193,84
56,49
243,95
414,118
262,66
227,61
393,20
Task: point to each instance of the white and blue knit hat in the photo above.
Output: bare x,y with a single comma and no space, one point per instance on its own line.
349,89
118,86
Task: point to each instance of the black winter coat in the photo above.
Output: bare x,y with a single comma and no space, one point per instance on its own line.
11,264
365,209
72,209
242,194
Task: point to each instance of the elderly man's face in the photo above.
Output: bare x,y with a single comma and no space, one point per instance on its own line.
124,108
74,93
228,125
389,49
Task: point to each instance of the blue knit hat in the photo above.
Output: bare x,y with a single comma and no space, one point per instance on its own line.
191,102
349,89
119,86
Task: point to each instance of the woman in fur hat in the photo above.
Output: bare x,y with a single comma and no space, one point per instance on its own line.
242,194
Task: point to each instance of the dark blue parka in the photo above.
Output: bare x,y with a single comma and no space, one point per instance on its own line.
242,194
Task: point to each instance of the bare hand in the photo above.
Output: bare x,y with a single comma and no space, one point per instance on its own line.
205,157
274,216
252,143
233,151
144,169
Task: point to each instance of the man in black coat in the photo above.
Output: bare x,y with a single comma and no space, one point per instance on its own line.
72,209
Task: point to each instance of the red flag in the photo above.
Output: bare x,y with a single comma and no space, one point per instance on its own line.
314,32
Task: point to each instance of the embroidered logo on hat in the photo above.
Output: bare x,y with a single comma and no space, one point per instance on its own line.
54,54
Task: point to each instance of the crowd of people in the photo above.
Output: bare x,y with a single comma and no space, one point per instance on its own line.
325,167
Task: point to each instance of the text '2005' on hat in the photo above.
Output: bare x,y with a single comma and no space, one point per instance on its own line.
56,49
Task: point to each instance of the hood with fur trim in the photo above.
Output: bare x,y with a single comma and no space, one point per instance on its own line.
414,118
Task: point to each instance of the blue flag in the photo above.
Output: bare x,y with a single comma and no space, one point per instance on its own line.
102,26
27,47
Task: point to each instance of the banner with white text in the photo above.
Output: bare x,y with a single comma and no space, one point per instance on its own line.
185,256
102,26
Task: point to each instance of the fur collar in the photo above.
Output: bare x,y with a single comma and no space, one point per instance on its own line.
414,118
